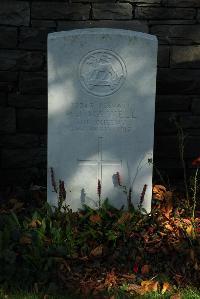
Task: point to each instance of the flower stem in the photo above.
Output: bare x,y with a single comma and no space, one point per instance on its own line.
195,192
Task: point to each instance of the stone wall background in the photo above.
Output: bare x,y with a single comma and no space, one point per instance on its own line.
24,26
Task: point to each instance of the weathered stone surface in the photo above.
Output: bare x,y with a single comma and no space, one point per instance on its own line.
182,3
7,120
164,13
34,38
8,37
20,60
104,111
164,123
113,11
60,10
27,101
93,1
129,24
33,83
7,76
196,106
21,158
185,57
198,15
3,98
22,177
167,166
173,102
43,23
172,22
166,146
15,13
147,1
190,122
8,81
19,141
183,35
43,141
175,81
32,121
163,56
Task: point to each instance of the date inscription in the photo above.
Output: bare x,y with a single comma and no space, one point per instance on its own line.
88,116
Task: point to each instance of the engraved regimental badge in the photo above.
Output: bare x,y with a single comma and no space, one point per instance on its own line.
102,72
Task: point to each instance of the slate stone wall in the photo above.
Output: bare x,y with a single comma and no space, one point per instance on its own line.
24,26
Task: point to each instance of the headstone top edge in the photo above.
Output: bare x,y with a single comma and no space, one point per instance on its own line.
112,31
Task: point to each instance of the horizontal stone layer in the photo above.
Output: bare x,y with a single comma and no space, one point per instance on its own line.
177,81
174,102
109,11
185,57
34,38
8,37
7,120
33,83
27,101
22,158
177,34
15,13
182,3
164,13
135,25
12,60
32,121
19,141
60,10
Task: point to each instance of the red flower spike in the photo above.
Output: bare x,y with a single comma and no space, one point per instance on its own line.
53,181
118,178
62,191
135,268
99,189
196,162
143,194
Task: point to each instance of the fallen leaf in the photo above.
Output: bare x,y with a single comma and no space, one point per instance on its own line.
124,218
145,269
169,227
150,285
25,240
136,288
129,276
176,296
34,223
190,231
159,192
17,206
97,251
111,279
166,287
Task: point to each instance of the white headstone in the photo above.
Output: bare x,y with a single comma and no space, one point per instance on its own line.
101,98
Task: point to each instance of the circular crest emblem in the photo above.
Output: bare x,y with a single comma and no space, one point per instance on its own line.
102,72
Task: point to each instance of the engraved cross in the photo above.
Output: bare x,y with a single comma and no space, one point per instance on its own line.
100,162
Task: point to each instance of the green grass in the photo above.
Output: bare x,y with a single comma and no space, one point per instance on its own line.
185,294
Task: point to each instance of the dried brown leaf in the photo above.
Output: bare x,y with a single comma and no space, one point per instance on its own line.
159,192
34,223
97,251
166,287
145,269
176,296
136,288
150,285
124,218
25,240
